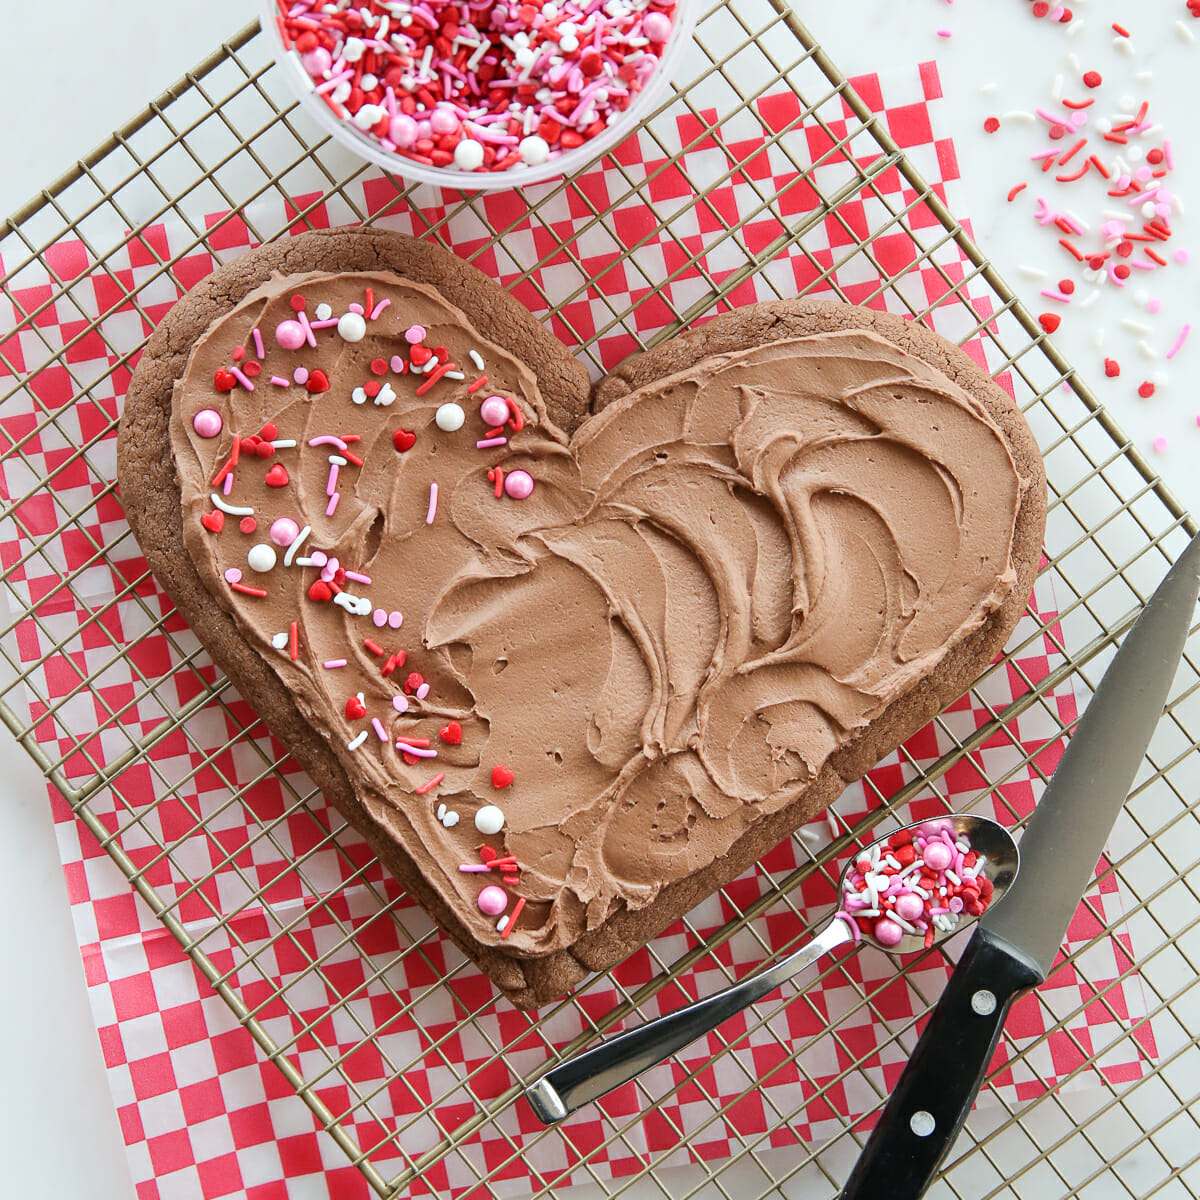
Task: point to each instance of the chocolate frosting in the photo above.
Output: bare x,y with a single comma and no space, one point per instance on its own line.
714,585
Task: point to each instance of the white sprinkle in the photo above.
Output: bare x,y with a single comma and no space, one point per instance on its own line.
954,877
1136,327
1090,299
1055,88
475,358
233,510
1073,62
1035,273
502,924
338,460
902,922
356,741
280,641
284,444
1097,334
1148,351
1123,45
441,811
1019,118
291,550
450,820
454,375
1185,34
988,89
1075,27
962,847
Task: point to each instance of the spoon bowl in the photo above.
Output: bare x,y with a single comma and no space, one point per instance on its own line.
986,837
592,1074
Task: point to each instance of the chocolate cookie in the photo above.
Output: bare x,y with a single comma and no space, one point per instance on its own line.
569,676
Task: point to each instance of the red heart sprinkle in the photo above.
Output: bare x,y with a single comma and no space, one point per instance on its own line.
1050,321
317,382
269,432
223,380
487,854
248,525
355,709
277,476
320,592
420,355
213,521
501,777
1112,368
441,353
403,440
411,759
451,734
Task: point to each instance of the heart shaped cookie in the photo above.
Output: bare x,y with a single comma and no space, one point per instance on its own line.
601,662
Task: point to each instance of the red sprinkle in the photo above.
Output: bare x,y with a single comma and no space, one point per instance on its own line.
294,640
1050,321
1092,79
1014,192
1146,390
1120,30
991,125
516,912
374,647
247,590
247,524
430,784
1112,368
1066,286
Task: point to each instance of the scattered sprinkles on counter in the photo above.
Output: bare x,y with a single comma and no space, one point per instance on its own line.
916,882
283,542
477,86
1103,188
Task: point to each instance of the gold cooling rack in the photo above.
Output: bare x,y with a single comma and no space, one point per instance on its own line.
227,137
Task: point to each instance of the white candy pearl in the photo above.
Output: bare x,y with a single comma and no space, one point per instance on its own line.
449,417
468,155
261,558
351,327
489,819
535,150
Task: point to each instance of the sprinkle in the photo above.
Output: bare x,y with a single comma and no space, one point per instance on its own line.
1053,294
258,342
1174,350
246,590
359,577
412,741
433,498
480,382
356,741
475,358
1145,389
486,443
291,550
279,381
374,647
380,732
331,507
294,640
234,510
1135,326
327,439
512,920
240,376
416,751
378,309
331,664
1160,446
1012,195
430,784
474,868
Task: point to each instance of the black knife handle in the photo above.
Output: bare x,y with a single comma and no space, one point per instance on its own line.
935,1091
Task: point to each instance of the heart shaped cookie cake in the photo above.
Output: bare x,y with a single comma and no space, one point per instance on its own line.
570,658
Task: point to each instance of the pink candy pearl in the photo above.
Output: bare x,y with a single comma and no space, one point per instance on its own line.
938,856
317,61
403,131
493,900
909,907
657,26
443,120
207,423
518,484
494,411
284,531
887,932
414,335
290,335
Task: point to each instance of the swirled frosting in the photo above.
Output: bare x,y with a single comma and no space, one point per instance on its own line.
714,585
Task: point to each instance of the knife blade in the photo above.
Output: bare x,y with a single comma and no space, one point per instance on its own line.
1013,948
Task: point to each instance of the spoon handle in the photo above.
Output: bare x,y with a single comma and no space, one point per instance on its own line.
596,1072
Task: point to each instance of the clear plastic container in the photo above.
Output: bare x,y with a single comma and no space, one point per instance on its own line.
471,181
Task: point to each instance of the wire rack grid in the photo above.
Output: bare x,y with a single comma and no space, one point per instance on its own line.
227,138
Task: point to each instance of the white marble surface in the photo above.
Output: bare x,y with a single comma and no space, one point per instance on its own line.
58,1132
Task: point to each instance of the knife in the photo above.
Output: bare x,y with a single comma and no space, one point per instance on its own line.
1015,943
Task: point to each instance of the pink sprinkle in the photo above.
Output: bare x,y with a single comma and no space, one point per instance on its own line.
487,442
359,577
302,317
380,732
379,308
1051,153
475,868
356,308
1115,277
943,33
854,929
1174,350
279,381
1167,155
331,482
327,439
1154,306
423,691
227,486
258,342
400,703
432,511
1056,295
300,375
233,575
241,378
417,751
1181,256
325,324
1160,444
332,664
331,507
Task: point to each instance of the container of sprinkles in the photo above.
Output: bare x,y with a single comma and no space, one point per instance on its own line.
479,94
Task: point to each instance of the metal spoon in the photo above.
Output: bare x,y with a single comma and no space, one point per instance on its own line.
596,1072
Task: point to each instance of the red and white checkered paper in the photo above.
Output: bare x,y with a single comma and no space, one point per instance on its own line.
203,1114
